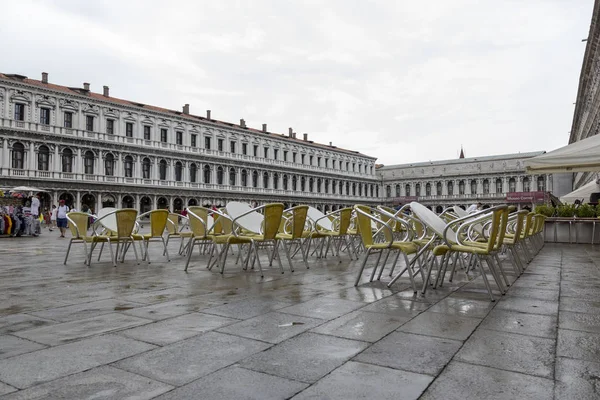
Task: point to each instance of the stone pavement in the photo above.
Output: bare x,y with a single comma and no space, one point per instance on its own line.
153,331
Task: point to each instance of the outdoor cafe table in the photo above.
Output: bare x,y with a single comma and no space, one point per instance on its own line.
110,221
317,215
251,222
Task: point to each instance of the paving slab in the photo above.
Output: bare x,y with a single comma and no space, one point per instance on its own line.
273,327
446,326
69,331
12,346
534,293
169,309
522,323
306,358
355,380
190,359
85,310
416,353
460,381
323,308
19,322
363,293
175,329
574,304
580,321
55,362
96,384
577,379
397,306
531,306
237,383
4,389
247,308
579,345
463,307
519,353
362,325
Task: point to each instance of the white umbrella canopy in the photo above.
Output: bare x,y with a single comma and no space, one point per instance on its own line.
582,156
27,189
582,194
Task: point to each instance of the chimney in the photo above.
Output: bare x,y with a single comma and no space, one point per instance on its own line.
186,109
208,114
44,77
330,144
290,132
306,137
264,127
294,135
86,86
242,123
105,91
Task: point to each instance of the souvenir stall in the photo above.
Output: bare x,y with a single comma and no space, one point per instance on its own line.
15,213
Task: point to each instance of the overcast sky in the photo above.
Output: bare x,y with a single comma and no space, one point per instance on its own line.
401,80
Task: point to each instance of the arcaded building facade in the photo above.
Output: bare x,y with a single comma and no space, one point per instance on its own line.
90,148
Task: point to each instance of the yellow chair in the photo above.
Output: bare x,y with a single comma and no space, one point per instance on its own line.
126,219
78,224
199,225
377,244
173,230
292,231
158,223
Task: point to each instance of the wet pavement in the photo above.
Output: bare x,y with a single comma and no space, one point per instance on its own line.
152,331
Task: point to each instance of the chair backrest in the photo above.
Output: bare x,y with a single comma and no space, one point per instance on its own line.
364,224
497,228
173,224
198,217
344,220
78,223
126,219
296,221
158,222
272,213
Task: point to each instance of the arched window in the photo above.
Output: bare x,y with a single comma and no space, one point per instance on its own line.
450,187
347,188
294,183
18,156
285,182
397,191
88,163
428,189
265,179
418,189
326,185
498,185
128,166
219,175
407,189
461,187
438,188
244,178
526,185
67,160
193,172
388,190
371,190
318,185
109,164
232,176
178,171
473,186
43,158
333,187
146,168
206,171
254,179
486,186
302,184
162,170
354,189
541,184
376,191
275,181
310,185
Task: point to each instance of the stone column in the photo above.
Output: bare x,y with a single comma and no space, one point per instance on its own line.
99,202
56,160
137,202
519,184
78,200
31,161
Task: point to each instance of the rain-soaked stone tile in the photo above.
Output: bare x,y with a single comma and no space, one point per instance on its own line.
579,321
531,293
12,346
577,379
579,305
532,306
185,361
528,282
21,322
66,332
175,329
463,307
579,345
85,310
247,308
4,389
430,297
48,364
248,385
159,296
273,327
323,308
416,353
446,326
526,354
98,383
355,380
170,309
460,381
364,293
397,307
361,325
307,357
524,324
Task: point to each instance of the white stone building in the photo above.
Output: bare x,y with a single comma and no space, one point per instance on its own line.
464,181
90,148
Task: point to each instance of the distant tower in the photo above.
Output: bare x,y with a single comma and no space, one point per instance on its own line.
462,153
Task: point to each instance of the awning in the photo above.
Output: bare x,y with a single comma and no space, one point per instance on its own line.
582,194
582,156
25,189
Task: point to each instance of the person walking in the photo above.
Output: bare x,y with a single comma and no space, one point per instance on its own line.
35,213
53,217
61,217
